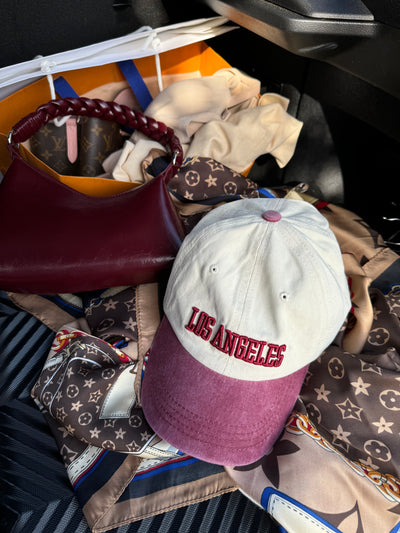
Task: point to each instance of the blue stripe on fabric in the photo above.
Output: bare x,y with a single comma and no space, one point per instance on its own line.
164,478
136,82
73,310
99,460
98,476
266,193
64,89
169,466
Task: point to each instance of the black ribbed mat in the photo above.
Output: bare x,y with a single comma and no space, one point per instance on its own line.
35,494
24,345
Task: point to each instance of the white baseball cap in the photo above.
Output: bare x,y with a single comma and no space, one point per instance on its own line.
257,291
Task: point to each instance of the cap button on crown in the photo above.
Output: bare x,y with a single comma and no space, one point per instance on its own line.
271,216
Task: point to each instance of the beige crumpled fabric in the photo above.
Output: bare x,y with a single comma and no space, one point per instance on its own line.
249,133
362,314
222,117
188,104
244,90
128,166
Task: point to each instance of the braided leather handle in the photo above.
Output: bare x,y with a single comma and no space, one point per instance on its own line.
123,115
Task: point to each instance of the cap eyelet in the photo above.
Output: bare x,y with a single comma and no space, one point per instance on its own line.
284,296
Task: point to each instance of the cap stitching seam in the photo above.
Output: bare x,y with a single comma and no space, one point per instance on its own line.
193,242
195,417
175,421
252,272
310,256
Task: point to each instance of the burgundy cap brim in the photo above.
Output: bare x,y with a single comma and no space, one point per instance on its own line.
215,418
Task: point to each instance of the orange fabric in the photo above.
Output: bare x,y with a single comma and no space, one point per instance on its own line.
83,184
97,186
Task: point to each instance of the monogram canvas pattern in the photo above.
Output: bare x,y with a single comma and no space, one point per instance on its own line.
95,138
202,178
88,393
87,387
99,138
49,144
354,401
113,317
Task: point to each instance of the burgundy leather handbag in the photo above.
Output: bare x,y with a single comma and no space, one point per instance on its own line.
54,239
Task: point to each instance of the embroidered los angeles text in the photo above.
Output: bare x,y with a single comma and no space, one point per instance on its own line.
250,350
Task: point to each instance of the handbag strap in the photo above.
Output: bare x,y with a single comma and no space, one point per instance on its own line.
123,115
